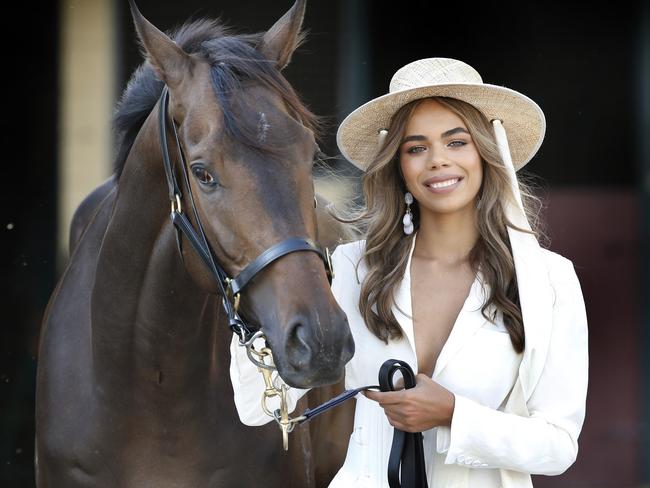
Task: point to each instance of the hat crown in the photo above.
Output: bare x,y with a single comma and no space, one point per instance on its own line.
433,71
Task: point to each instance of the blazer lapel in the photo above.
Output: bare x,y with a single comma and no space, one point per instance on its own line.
536,300
469,320
402,308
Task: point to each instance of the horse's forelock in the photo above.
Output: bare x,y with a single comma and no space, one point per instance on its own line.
236,63
192,35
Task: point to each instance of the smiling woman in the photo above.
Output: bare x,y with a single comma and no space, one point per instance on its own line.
430,144
451,280
450,163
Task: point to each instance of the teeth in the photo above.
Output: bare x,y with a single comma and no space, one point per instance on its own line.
444,184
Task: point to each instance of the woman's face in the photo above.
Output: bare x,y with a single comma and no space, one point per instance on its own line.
439,160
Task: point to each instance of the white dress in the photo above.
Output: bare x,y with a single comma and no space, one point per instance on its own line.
498,437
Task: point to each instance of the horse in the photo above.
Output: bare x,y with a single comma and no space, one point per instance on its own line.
133,387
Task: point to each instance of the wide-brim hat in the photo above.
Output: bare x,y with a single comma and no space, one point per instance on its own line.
524,122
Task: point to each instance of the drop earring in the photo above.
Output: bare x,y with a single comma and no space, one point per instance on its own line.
408,216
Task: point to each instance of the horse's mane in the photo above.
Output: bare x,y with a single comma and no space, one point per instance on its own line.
234,60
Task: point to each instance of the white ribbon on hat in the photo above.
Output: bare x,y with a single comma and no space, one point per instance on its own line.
535,291
504,151
381,138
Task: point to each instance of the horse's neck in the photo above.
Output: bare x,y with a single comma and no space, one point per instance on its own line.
149,319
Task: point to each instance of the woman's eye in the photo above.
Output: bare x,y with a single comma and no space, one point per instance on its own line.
457,143
203,175
415,149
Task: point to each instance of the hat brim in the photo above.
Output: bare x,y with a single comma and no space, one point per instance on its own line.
523,120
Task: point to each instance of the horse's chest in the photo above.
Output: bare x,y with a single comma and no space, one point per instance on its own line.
153,447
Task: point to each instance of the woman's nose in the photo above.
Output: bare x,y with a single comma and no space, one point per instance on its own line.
438,162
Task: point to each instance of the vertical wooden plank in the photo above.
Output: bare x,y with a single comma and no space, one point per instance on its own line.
86,100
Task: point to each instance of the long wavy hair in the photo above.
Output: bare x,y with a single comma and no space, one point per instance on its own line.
387,248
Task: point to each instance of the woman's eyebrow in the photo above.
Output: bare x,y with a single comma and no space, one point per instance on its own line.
453,131
416,137
447,133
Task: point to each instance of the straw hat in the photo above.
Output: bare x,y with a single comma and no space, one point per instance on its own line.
358,136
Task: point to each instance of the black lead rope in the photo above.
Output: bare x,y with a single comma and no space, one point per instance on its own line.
407,452
406,467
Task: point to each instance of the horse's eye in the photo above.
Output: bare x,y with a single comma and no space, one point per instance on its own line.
203,175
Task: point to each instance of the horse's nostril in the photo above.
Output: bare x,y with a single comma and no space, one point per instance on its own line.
298,351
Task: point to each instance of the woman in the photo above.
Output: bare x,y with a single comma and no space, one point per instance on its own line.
451,280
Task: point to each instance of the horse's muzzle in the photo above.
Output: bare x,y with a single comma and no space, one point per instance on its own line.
315,352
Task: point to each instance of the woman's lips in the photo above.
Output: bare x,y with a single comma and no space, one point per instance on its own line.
443,184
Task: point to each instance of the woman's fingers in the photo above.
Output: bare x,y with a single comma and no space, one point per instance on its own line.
385,397
426,405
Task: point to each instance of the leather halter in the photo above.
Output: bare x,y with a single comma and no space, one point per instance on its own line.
229,288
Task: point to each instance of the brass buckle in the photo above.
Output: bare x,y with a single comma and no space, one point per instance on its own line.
176,204
282,417
263,359
235,298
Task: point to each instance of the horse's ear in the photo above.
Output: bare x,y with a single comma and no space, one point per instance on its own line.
281,40
168,60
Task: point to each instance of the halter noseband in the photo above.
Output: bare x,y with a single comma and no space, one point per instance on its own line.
229,288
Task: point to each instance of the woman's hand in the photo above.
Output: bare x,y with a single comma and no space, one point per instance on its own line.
420,408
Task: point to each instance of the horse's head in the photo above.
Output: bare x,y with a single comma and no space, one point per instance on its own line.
249,145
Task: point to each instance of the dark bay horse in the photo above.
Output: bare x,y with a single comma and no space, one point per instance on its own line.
133,387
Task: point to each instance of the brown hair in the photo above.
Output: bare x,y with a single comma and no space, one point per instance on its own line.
387,248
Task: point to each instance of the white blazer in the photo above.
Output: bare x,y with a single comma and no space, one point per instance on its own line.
515,414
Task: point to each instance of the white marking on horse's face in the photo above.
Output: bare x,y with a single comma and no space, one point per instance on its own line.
262,127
